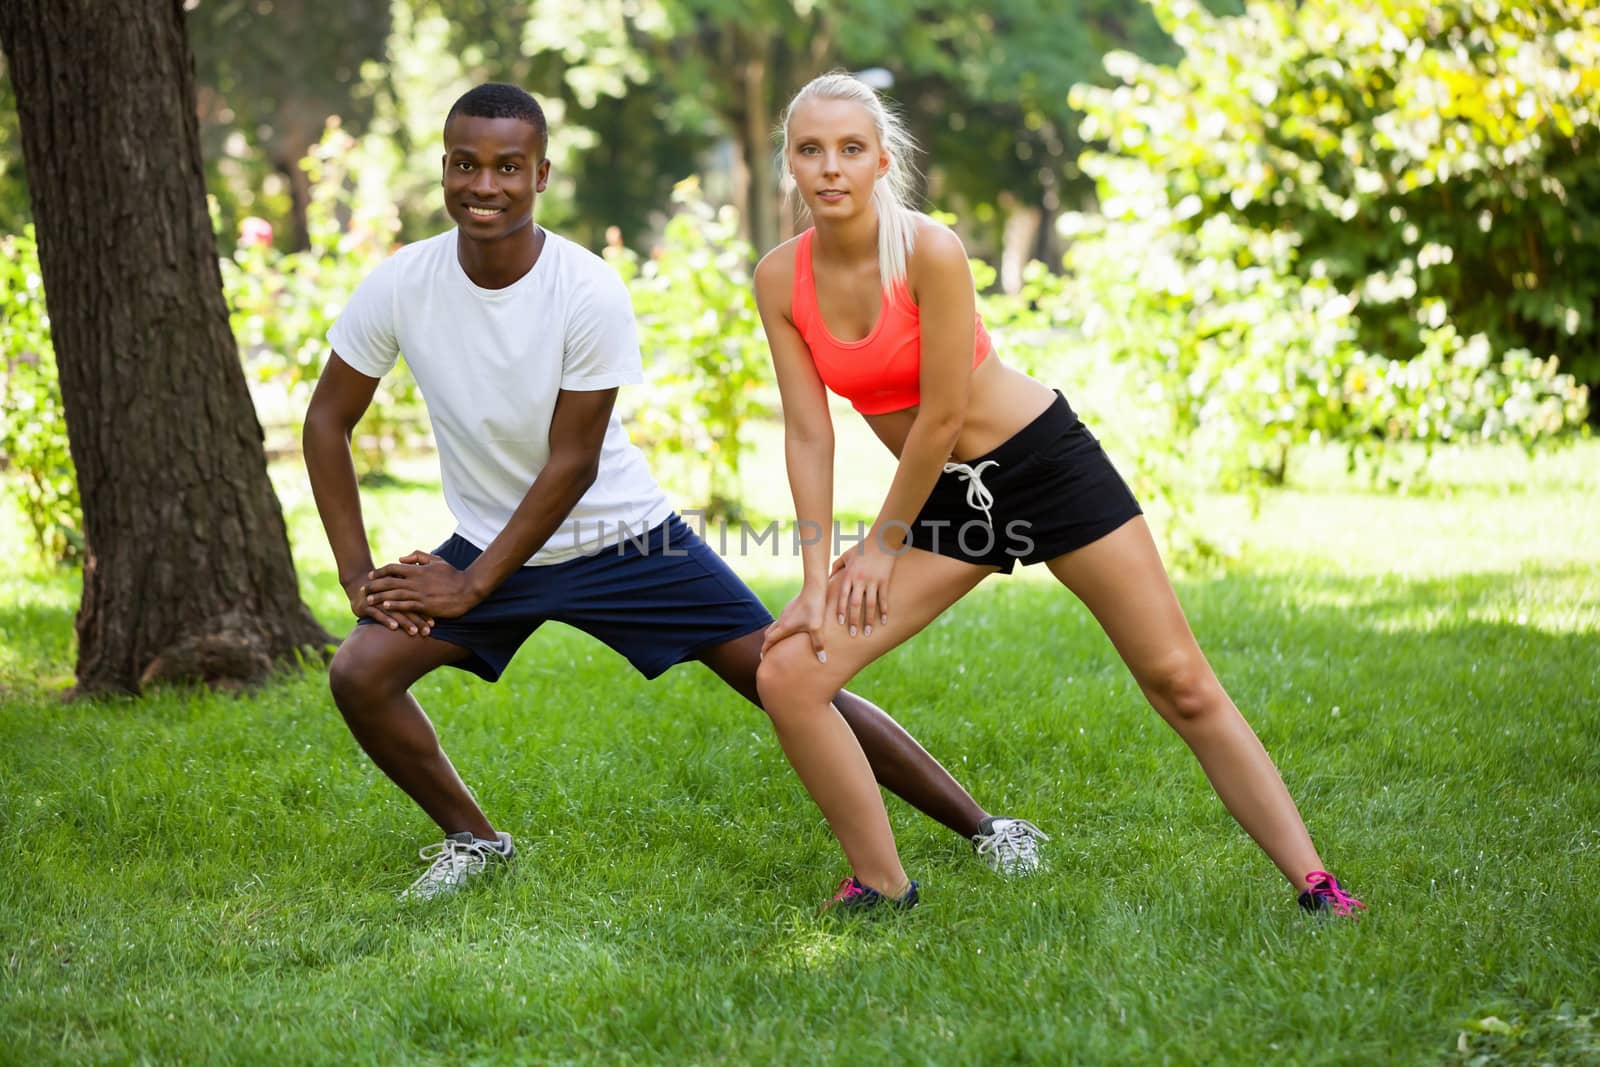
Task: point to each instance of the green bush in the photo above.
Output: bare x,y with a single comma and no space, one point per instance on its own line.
1250,359
282,304
1209,297
1411,151
705,354
1219,360
33,426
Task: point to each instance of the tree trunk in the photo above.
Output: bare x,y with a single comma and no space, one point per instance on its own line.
757,136
187,572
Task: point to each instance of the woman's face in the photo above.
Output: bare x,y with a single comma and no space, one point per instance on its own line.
835,156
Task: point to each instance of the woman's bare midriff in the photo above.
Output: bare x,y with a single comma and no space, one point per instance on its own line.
1000,401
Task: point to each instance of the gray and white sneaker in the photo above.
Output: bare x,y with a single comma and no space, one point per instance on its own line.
1010,846
456,859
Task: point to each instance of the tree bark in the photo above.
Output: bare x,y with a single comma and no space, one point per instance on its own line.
187,572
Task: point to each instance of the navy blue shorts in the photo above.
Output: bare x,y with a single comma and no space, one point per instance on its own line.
659,605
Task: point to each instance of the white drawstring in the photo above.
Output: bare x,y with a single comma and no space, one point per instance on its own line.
978,495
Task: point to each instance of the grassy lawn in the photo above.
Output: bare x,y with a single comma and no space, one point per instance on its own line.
199,878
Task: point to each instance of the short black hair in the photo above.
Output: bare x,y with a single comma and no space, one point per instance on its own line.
497,100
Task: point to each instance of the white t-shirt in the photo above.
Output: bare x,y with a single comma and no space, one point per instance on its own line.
490,363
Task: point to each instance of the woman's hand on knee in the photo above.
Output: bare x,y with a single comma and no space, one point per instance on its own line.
858,591
806,614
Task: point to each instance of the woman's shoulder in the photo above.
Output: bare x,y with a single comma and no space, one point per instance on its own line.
935,250
774,275
779,263
936,241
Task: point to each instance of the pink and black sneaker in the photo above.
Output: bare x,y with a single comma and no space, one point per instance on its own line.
1324,894
853,898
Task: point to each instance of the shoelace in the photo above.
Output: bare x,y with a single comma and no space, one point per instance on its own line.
1325,886
452,861
978,495
1017,835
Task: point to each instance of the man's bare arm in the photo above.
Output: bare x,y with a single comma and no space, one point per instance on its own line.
434,588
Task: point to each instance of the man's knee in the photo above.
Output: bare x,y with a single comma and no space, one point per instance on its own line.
355,677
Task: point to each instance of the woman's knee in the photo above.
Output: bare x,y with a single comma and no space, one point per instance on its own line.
789,674
1185,690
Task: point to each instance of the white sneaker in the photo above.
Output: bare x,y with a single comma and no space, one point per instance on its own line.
455,859
1010,846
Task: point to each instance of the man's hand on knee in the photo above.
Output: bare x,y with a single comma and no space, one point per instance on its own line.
415,623
422,584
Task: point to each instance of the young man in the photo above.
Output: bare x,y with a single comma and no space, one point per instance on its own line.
519,340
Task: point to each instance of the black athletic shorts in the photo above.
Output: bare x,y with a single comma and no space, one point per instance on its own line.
1046,491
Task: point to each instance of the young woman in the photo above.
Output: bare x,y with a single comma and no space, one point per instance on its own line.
876,302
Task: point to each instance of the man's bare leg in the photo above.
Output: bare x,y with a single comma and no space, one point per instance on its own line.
371,677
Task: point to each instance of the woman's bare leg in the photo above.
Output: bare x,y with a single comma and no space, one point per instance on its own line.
796,691
1120,578
900,764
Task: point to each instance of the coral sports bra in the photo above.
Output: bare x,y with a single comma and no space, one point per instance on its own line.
880,372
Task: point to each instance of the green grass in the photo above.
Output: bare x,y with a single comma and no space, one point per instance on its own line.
199,878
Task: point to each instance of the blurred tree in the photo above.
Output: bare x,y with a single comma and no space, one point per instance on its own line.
641,150
187,572
985,92
269,73
658,83
734,63
640,137
982,88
